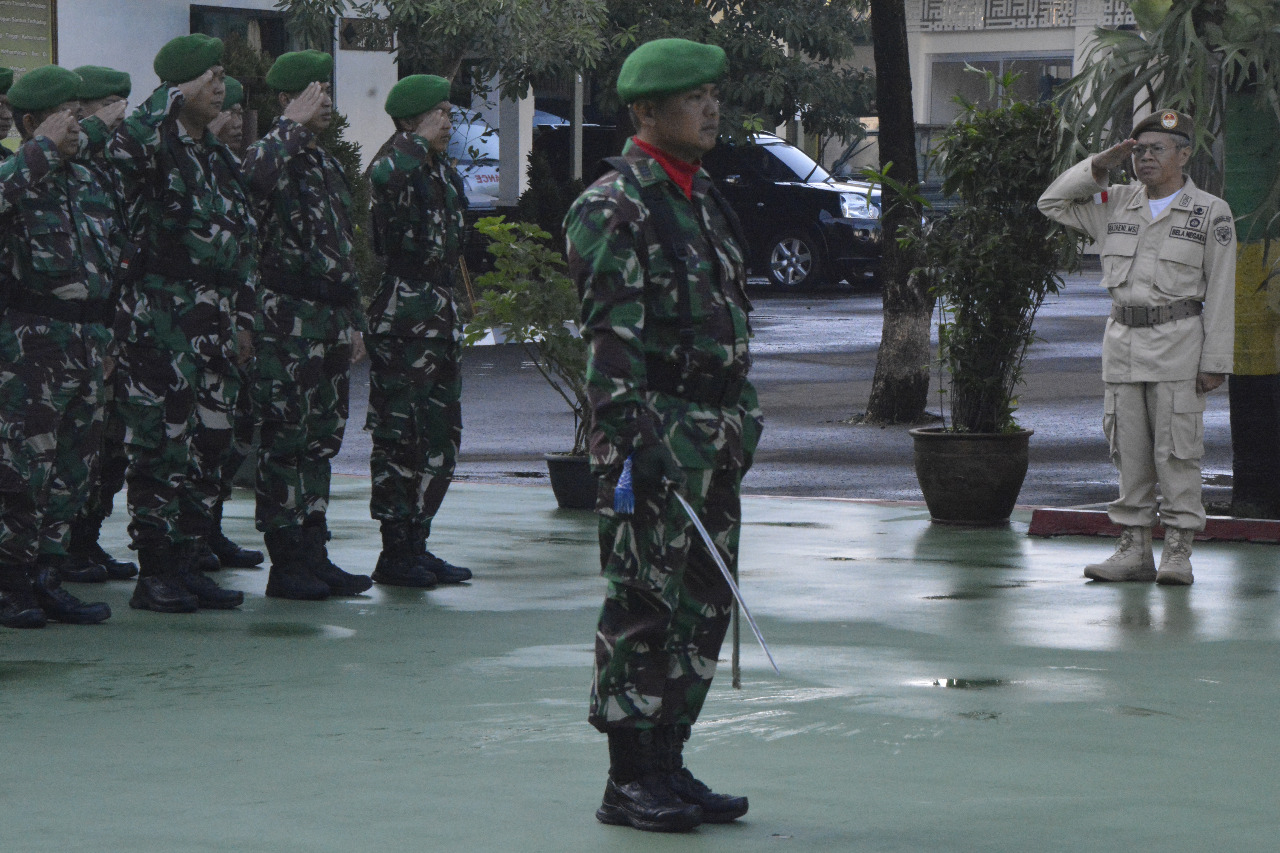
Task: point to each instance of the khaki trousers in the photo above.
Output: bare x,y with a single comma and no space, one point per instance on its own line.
1156,433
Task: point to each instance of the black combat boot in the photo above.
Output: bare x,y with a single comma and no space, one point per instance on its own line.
74,569
190,577
61,606
397,564
18,605
314,537
445,572
85,550
290,576
637,793
229,554
716,808
157,588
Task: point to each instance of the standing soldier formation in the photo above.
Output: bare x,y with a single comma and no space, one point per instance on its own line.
307,331
1168,254
184,322
658,259
415,380
58,253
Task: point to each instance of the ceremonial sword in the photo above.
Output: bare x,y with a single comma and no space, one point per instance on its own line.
728,576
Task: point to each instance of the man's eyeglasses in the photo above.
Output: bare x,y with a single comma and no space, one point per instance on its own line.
1140,151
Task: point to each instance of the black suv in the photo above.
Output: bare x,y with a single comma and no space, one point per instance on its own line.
803,226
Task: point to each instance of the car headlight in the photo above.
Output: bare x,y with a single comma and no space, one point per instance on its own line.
857,206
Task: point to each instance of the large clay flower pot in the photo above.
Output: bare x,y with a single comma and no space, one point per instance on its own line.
970,478
574,485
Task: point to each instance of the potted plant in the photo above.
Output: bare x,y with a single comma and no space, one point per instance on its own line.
530,299
990,263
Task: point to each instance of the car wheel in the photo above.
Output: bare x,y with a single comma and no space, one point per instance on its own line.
795,262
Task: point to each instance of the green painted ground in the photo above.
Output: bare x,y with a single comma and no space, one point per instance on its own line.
942,690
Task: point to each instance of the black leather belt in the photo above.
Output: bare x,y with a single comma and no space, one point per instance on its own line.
180,268
67,310
303,287
416,269
1143,316
666,378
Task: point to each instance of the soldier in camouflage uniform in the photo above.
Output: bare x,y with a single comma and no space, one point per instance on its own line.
184,321
56,273
87,561
229,128
307,331
415,382
654,251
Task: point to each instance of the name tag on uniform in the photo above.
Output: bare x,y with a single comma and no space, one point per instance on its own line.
1121,228
1187,234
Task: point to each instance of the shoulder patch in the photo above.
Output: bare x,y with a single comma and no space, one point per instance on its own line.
1221,219
1223,233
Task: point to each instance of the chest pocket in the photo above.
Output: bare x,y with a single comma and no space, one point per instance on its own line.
1181,271
51,243
1117,254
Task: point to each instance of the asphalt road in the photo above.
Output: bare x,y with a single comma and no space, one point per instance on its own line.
814,359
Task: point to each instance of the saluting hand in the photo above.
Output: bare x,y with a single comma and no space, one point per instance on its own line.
192,88
309,103
62,129
434,124
358,351
112,114
1116,155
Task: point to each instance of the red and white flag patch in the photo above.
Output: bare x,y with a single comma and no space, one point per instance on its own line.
1100,198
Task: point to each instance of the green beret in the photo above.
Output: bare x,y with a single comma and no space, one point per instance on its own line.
667,66
100,82
293,72
1167,121
6,79
187,57
416,94
44,88
235,94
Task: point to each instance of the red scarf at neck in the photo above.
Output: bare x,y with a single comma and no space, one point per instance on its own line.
678,170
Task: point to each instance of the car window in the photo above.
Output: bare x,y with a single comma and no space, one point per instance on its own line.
787,163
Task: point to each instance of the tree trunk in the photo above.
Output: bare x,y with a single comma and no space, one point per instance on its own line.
901,384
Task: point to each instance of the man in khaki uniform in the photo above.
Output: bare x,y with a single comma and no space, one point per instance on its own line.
1169,260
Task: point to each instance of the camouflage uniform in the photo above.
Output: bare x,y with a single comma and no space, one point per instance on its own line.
415,381
667,607
306,323
178,320
61,241
108,478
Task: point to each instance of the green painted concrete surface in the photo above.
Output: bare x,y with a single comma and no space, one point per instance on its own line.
942,690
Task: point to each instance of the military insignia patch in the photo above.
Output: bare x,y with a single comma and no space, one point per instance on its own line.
1198,210
1187,234
1169,119
1222,234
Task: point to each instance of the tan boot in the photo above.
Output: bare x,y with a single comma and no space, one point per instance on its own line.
1132,561
1175,559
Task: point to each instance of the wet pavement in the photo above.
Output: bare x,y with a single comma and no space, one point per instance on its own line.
941,690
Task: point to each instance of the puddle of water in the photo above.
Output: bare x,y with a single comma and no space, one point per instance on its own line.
811,525
35,670
299,629
962,683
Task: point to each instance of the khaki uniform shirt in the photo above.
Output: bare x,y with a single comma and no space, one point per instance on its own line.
1187,252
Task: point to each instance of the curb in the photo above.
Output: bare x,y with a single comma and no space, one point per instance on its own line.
1085,522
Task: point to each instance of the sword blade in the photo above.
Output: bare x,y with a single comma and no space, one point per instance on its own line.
728,576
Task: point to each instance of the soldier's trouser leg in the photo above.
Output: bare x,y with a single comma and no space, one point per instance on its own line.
156,396
415,420
29,424
1156,434
667,607
211,443
79,397
301,394
113,462
243,426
